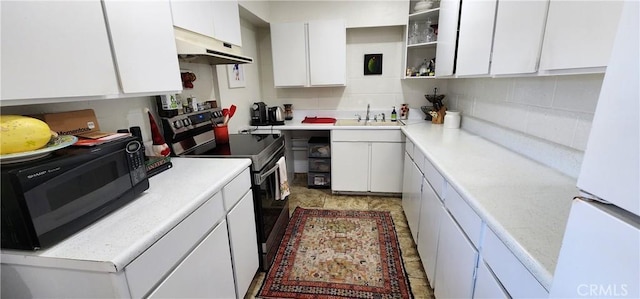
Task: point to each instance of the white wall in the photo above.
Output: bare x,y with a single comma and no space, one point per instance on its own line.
381,91
112,114
245,96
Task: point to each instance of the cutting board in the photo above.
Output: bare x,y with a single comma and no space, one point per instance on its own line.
318,120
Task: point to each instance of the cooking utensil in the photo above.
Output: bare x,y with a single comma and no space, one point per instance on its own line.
232,110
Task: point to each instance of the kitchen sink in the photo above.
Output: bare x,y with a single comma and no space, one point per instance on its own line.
355,122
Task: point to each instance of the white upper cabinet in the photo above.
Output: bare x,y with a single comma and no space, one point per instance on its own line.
196,16
288,48
53,49
518,36
146,57
327,52
579,34
447,37
61,51
309,54
476,37
226,22
217,19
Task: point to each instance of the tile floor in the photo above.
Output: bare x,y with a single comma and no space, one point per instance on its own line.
303,197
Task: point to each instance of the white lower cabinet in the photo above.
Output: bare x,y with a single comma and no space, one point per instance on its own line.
456,261
429,230
350,166
386,167
205,273
411,196
242,238
487,285
366,161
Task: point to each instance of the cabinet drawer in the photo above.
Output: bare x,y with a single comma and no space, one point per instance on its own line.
464,215
367,135
487,285
318,179
513,275
319,147
434,178
319,165
408,147
153,264
205,272
234,190
418,158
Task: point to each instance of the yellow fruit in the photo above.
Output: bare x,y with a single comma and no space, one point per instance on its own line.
21,134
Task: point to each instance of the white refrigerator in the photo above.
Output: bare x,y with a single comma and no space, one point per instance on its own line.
600,254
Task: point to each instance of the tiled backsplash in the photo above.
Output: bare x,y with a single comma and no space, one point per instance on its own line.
545,118
557,109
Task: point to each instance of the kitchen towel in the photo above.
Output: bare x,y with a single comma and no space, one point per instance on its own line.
282,183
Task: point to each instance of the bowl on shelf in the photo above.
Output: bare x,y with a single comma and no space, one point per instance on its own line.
423,5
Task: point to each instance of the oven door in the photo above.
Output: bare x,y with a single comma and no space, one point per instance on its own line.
272,214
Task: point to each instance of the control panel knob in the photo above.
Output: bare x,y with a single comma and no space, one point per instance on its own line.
177,124
186,122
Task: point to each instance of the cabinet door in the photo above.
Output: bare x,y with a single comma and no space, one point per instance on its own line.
54,49
579,40
411,198
288,50
487,285
518,36
205,273
244,243
447,37
144,45
456,264
386,169
429,230
476,37
350,166
327,52
612,264
194,16
226,22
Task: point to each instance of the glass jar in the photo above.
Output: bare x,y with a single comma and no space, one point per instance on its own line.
288,113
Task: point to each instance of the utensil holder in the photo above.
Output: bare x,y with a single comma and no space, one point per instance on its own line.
439,118
222,134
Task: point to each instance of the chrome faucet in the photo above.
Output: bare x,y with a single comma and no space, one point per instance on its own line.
366,119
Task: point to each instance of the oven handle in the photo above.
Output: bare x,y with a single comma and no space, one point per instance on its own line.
261,177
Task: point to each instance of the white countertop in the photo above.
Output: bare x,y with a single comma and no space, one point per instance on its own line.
296,124
114,241
525,203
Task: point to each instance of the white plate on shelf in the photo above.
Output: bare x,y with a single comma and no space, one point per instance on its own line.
57,143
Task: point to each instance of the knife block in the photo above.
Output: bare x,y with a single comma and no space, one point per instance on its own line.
439,118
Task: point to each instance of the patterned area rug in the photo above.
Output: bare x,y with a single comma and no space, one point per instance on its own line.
338,254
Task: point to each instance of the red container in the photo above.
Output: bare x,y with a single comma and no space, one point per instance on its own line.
222,134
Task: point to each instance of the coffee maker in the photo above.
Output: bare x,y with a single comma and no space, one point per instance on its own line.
259,115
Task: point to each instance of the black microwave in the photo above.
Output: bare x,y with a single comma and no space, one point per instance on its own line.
49,199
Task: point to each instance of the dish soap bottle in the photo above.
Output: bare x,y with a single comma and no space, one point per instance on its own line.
394,114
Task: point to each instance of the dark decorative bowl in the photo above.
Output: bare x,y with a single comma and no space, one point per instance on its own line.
426,110
432,99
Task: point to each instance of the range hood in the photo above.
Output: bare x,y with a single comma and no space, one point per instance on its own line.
196,48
